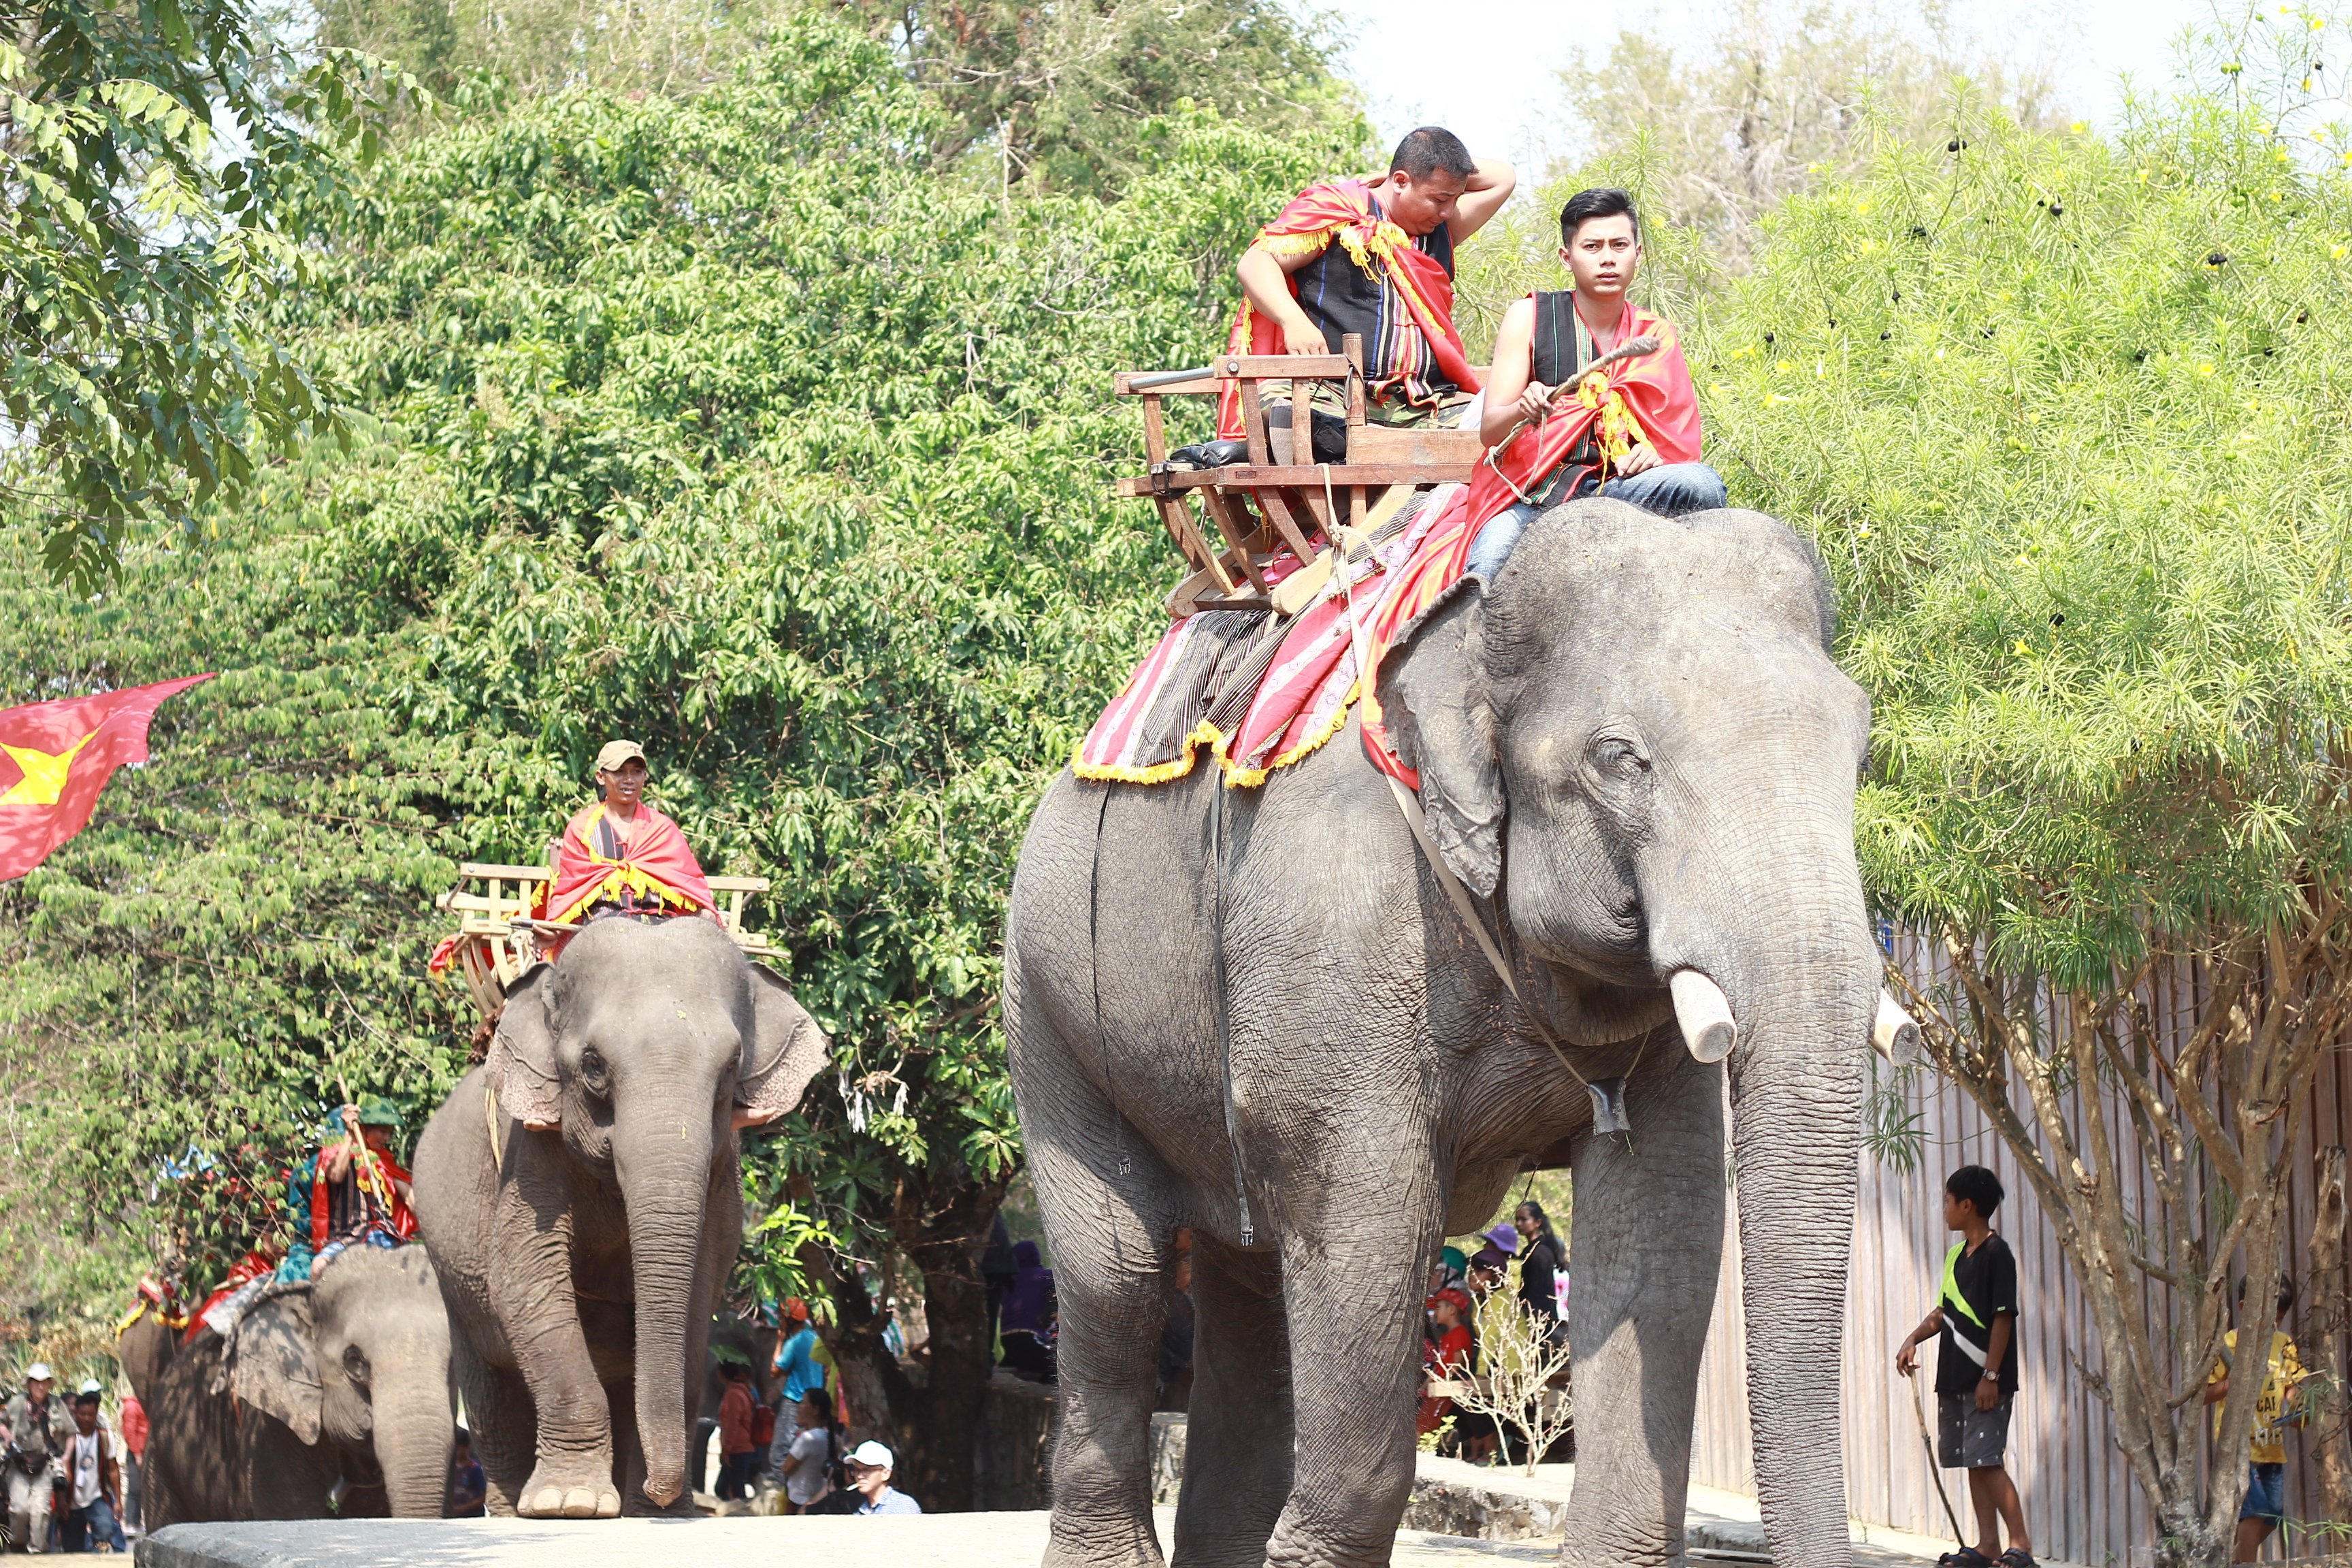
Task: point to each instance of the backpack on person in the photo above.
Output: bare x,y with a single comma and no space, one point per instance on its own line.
763,1423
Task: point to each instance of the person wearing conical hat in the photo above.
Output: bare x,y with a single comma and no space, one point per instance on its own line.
621,854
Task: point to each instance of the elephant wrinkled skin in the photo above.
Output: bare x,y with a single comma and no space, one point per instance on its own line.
1634,747
332,1396
585,1223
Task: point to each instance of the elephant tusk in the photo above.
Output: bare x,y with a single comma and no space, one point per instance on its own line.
1895,1034
1705,1013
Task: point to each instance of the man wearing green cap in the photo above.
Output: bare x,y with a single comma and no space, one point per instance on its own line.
621,854
351,1191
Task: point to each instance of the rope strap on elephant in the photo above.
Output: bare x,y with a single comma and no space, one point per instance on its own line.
1608,1093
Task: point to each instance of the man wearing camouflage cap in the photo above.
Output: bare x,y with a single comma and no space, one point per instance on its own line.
623,856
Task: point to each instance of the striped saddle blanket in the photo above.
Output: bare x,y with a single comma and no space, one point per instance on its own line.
1259,690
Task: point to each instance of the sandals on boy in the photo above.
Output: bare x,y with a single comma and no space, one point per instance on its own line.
2018,1557
1965,1557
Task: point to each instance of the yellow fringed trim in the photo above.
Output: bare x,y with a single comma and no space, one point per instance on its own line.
1294,244
1175,767
1238,777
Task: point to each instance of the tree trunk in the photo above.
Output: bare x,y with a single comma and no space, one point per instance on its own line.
2323,1314
934,1425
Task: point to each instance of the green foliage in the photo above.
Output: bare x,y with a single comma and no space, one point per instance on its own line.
1772,100
141,255
2066,418
1063,93
727,424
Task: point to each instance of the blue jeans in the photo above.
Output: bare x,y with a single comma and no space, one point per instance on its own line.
1670,489
2265,1492
86,1527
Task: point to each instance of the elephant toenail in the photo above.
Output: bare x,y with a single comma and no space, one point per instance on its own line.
608,1505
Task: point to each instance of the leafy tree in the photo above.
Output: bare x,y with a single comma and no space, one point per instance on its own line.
1774,101
1059,95
729,424
2065,416
141,255
1057,92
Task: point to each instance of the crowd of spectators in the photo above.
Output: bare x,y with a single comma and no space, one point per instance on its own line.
66,1467
1460,1287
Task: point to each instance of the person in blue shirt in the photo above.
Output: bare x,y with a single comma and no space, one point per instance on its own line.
796,1354
870,1466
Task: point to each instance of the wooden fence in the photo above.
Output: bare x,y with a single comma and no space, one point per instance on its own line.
2081,1505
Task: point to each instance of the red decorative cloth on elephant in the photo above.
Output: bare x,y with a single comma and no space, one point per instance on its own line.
643,863
1292,683
1345,211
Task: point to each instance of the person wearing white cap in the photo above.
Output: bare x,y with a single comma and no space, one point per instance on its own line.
40,1430
870,1465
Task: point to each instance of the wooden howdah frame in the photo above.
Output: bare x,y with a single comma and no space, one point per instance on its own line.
498,939
1272,501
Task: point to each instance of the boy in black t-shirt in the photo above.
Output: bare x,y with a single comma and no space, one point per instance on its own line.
1975,1316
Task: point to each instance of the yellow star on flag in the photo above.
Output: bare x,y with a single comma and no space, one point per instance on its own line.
45,773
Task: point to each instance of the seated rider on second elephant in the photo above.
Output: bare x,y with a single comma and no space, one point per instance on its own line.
351,1193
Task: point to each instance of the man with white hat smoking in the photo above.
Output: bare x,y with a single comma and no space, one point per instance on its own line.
40,1430
870,1465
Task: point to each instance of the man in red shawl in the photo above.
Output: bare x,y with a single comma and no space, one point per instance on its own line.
1388,278
1637,439
621,854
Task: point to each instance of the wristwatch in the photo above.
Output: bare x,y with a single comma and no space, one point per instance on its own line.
1992,1373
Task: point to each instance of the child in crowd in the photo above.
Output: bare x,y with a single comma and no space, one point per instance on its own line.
2266,1503
1976,1367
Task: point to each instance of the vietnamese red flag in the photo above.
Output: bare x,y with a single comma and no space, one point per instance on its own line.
55,758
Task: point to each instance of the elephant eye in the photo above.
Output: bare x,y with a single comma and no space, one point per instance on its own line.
594,1073
1620,757
355,1364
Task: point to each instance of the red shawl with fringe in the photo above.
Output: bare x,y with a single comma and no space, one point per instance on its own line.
1341,210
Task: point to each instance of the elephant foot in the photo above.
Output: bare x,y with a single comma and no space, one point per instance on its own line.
583,1494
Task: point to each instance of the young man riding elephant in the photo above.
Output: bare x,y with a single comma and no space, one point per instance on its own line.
1374,258
1537,408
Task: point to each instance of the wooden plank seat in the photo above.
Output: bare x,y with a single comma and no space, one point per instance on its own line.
498,939
1230,521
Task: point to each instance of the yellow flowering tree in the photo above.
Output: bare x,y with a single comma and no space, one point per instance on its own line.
2066,416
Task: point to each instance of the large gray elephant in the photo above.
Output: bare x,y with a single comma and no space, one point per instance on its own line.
581,1195
1260,1014
331,1396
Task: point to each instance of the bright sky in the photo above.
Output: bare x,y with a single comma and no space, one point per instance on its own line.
1485,67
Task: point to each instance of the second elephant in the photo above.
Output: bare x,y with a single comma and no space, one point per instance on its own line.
581,1195
329,1397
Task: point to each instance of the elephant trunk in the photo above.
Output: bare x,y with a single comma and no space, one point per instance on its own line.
1784,932
413,1433
666,1198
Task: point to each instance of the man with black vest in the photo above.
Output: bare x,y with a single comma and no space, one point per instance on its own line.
1636,437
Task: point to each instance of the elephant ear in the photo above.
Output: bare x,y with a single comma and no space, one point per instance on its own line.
1433,702
784,1052
522,1053
271,1364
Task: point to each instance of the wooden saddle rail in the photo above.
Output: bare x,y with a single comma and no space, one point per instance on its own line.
498,939
1281,498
